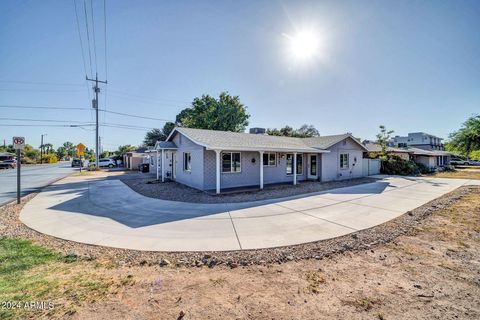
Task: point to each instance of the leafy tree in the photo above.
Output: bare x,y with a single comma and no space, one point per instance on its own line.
124,149
61,152
467,139
305,131
7,148
226,113
167,128
382,139
155,135
70,148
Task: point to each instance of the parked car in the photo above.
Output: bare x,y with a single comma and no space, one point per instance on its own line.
77,163
103,163
8,164
458,161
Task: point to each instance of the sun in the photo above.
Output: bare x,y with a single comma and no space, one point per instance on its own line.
304,45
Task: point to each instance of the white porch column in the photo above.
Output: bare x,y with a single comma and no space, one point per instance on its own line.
217,166
294,168
163,165
261,169
156,163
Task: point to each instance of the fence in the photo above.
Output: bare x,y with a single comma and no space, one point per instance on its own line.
371,167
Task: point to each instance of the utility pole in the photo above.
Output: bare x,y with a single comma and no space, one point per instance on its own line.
96,89
41,149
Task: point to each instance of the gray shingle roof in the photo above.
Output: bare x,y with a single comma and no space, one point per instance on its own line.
225,140
373,147
324,142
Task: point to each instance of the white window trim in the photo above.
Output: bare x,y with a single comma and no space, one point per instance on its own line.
341,163
231,163
298,173
268,159
184,163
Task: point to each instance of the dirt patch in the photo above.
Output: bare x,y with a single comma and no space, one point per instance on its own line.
178,192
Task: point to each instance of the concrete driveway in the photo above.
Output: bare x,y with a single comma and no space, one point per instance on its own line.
108,213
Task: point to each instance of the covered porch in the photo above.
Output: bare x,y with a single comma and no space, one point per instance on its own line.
274,167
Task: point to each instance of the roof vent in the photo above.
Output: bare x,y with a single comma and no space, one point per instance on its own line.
257,130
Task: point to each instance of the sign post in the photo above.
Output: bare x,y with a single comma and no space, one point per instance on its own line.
80,153
18,144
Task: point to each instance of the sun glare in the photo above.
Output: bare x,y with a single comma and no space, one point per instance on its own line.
304,45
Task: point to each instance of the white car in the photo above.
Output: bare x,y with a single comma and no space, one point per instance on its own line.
103,163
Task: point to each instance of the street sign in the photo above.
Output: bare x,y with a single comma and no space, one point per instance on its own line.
18,143
80,149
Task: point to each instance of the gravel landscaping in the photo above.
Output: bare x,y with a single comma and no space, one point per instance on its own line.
11,226
178,192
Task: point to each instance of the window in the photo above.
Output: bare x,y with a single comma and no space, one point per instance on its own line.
187,161
269,159
231,162
344,161
290,163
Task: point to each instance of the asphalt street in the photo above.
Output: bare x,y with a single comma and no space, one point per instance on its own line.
32,177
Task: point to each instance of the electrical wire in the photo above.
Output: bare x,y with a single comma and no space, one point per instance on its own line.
76,108
93,33
88,36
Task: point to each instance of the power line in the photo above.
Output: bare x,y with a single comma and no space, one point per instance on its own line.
88,36
135,116
81,42
76,108
39,90
52,108
93,33
43,83
45,120
42,125
105,35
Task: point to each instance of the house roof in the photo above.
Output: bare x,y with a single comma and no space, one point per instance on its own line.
422,152
226,140
374,147
325,142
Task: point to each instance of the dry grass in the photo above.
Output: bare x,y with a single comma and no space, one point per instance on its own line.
459,174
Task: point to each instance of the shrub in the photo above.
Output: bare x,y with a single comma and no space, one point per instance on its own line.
49,158
423,168
398,166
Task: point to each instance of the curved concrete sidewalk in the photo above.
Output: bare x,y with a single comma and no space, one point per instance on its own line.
108,213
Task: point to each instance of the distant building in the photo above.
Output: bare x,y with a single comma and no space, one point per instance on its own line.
419,140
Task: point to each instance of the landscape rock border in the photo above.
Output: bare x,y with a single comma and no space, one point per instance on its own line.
11,226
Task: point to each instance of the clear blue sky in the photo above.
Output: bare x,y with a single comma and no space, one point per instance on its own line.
411,65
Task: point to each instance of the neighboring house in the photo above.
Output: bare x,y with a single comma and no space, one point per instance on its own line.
375,149
215,160
433,159
131,160
419,140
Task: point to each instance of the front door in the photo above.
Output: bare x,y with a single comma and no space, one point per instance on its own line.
313,166
174,167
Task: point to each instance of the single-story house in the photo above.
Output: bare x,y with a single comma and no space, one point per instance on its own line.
433,159
215,160
131,160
